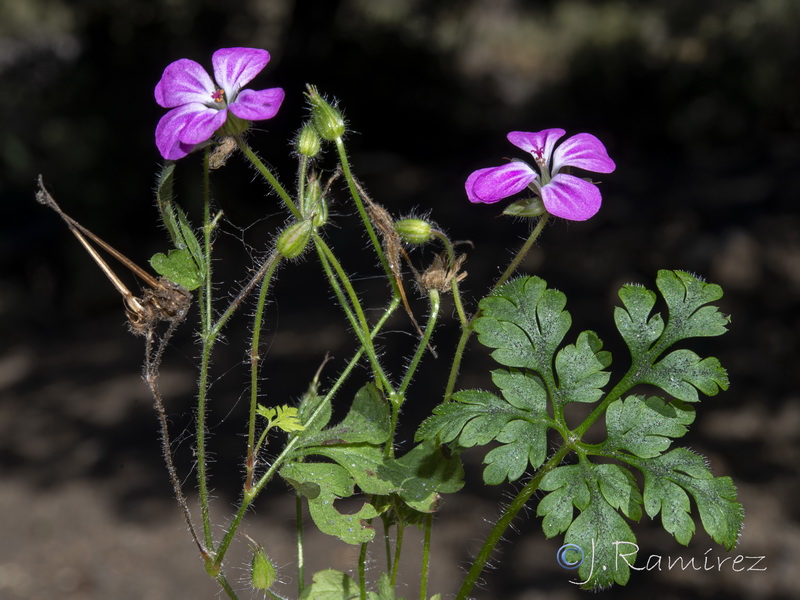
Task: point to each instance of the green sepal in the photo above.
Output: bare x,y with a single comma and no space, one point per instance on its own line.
527,208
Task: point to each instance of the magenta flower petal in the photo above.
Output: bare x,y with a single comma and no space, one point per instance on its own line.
583,151
571,197
495,183
202,124
169,129
538,143
255,105
236,67
184,81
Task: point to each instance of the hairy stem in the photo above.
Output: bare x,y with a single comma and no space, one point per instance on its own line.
267,174
504,522
254,371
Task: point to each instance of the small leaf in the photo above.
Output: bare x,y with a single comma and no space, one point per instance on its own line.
639,330
424,473
665,479
368,420
681,373
178,267
331,585
519,420
646,427
580,370
597,491
525,322
686,296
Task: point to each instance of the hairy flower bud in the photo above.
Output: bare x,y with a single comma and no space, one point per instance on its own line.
413,231
308,142
262,571
327,119
313,205
294,239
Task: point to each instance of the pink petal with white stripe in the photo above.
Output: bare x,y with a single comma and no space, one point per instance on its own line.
571,197
495,183
236,67
583,151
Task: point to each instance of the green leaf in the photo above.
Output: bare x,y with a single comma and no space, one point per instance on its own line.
686,296
603,535
668,478
681,373
639,330
178,267
567,488
424,473
597,491
176,222
333,483
580,370
525,322
331,585
518,420
646,426
283,417
308,408
365,463
368,420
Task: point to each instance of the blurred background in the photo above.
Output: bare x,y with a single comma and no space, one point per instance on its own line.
697,102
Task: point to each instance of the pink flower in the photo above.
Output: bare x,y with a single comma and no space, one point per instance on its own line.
200,106
563,195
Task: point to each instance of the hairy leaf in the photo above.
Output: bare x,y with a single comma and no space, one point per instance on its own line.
668,478
646,426
518,420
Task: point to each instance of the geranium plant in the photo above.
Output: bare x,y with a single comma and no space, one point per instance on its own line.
590,493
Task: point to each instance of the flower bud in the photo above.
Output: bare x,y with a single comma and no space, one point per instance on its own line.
294,239
308,142
327,119
262,571
413,231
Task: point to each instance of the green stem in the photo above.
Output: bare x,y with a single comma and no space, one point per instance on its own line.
423,344
504,522
624,385
467,329
358,322
301,584
351,184
267,174
362,572
398,547
208,342
254,371
226,587
522,253
426,558
262,482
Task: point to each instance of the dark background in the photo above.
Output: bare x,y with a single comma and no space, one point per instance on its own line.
698,104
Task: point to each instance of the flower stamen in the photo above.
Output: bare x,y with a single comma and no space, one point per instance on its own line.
218,96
